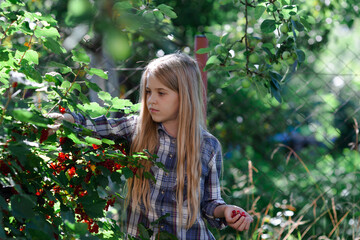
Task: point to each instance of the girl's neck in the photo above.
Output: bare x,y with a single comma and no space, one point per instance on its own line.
171,129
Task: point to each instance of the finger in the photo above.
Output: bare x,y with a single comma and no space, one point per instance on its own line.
238,224
233,219
55,115
247,226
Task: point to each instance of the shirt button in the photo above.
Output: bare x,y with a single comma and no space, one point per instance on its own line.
166,174
171,155
162,227
173,141
162,192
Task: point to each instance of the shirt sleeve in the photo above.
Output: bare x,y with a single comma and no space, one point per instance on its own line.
107,127
212,193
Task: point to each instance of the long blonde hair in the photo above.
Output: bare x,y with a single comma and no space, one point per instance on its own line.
180,73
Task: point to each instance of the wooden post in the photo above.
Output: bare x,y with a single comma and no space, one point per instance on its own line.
202,42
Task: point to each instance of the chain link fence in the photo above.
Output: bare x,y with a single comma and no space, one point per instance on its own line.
318,173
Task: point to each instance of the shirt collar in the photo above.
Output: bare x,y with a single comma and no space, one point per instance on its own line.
161,128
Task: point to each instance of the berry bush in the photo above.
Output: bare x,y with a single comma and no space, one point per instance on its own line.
54,186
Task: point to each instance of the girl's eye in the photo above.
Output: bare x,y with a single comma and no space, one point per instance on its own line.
147,91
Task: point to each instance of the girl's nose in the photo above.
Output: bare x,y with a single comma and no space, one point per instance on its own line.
151,99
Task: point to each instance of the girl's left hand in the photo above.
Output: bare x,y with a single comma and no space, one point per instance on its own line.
237,218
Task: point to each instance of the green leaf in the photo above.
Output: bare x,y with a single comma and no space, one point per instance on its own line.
66,84
54,46
275,93
127,172
107,141
47,32
158,14
289,10
297,25
93,86
76,86
92,140
80,56
98,72
233,67
167,236
25,115
259,10
93,109
212,38
213,60
268,26
79,228
167,10
122,5
148,175
3,204
30,72
105,96
121,104
22,206
76,140
301,55
143,232
54,77
204,50
62,67
4,55
117,44
93,206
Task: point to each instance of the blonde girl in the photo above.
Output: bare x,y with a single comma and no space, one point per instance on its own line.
171,125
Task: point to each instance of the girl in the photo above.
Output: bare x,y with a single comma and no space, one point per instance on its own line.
171,126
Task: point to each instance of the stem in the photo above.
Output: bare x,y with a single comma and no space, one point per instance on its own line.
6,105
108,110
246,36
67,91
275,21
29,46
7,30
356,127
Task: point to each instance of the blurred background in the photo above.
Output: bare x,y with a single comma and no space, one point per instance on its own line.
290,159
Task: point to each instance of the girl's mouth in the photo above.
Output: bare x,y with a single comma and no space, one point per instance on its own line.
153,110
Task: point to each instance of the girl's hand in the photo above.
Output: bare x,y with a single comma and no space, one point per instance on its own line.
237,218
58,119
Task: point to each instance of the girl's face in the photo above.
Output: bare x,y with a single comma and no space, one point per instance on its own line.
163,104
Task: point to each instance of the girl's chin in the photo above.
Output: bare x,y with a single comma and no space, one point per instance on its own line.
155,119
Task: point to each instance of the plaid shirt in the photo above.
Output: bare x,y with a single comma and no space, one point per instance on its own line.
162,192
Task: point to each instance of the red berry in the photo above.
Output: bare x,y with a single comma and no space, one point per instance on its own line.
233,213
61,109
51,203
243,214
96,146
14,85
4,168
72,172
44,135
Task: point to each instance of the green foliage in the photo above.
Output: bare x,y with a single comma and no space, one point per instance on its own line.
55,187
255,50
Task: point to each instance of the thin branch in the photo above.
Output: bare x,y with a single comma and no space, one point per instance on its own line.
29,46
7,30
67,91
246,37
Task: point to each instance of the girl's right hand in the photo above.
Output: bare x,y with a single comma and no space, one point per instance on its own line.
237,218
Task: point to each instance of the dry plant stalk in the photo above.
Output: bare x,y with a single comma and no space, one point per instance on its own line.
293,153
